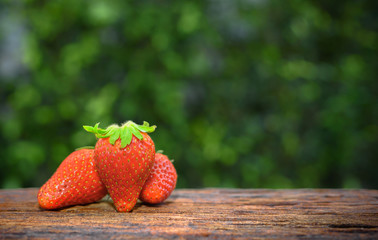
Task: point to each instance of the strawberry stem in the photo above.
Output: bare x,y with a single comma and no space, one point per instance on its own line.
125,132
85,147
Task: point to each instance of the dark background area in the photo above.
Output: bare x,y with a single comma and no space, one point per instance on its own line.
249,93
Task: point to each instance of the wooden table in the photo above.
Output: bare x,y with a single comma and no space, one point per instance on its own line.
200,213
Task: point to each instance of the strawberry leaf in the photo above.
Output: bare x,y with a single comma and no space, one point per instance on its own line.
114,136
85,147
88,128
126,137
136,133
124,132
146,127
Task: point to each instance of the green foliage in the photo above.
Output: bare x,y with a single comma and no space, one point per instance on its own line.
248,93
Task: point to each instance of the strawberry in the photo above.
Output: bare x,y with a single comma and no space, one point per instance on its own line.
124,156
161,182
76,181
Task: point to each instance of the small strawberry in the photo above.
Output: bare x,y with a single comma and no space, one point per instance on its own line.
76,181
124,156
161,182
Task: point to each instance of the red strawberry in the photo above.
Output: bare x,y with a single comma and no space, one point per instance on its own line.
161,182
124,156
76,181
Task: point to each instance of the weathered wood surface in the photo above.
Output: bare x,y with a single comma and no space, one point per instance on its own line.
200,213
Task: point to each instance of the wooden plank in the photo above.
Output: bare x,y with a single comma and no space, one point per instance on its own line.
200,213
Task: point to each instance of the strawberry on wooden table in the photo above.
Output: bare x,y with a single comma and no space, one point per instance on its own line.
124,156
161,182
76,181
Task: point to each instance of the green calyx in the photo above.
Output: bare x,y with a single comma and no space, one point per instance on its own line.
85,147
125,132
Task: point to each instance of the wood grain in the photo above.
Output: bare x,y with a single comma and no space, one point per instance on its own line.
200,213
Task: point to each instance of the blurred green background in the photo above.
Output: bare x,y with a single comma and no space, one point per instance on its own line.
249,93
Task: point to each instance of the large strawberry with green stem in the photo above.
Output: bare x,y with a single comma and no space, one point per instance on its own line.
124,156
